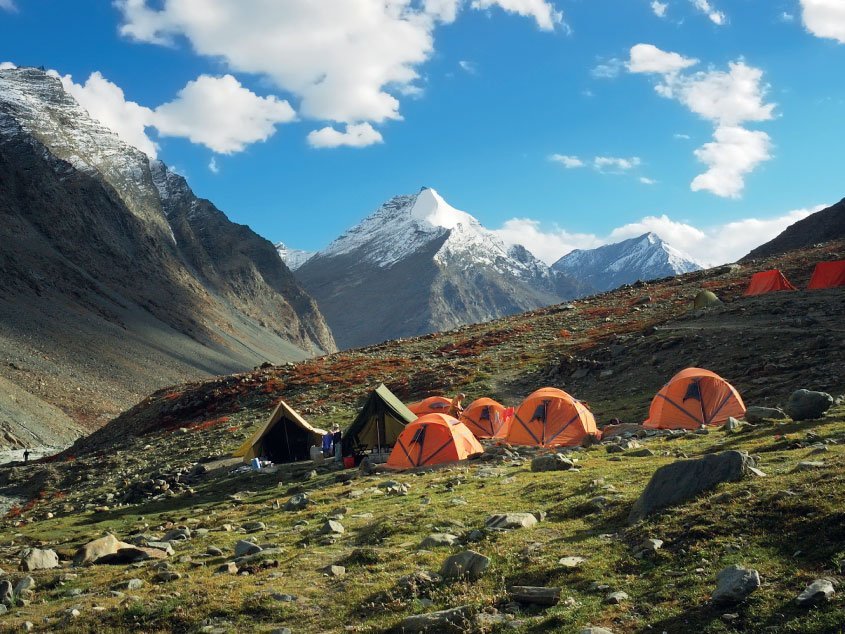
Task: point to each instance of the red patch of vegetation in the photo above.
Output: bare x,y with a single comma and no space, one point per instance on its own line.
214,422
480,343
16,510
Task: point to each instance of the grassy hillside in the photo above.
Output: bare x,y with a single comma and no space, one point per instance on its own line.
613,350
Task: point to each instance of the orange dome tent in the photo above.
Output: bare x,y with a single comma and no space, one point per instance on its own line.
551,418
828,274
768,282
433,439
694,398
431,405
486,418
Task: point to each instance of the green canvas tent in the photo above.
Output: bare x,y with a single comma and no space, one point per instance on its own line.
285,437
379,423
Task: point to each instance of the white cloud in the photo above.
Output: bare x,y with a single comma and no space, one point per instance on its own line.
733,154
7,66
728,100
222,115
569,162
647,58
609,69
544,13
216,112
615,164
824,18
468,67
647,181
659,8
709,245
106,102
355,135
8,5
787,17
681,137
212,165
715,16
344,61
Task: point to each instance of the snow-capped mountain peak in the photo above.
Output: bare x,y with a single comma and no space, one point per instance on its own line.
429,207
294,258
642,258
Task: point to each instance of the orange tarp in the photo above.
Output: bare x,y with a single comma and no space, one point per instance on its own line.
828,274
433,439
486,418
768,282
551,418
431,405
694,398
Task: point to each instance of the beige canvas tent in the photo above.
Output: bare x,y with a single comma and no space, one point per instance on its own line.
285,437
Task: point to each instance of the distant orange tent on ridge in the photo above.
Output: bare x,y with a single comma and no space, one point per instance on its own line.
431,405
693,398
486,418
768,282
433,439
550,417
828,275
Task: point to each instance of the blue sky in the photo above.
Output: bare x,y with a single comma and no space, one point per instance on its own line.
560,124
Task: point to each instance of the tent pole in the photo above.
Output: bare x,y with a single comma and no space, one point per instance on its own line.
701,403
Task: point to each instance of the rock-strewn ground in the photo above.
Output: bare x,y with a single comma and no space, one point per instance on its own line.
156,469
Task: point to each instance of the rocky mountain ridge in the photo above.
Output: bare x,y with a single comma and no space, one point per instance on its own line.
821,226
116,277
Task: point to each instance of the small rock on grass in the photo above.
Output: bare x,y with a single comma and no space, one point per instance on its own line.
735,583
820,591
452,621
614,598
571,562
469,564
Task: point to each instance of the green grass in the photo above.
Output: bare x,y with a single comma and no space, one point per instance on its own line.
791,538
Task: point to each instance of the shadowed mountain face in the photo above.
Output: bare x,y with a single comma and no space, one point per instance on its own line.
416,266
115,279
822,226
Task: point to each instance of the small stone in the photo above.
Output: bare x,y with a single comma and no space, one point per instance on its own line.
165,576
38,559
26,584
809,465
820,591
244,547
254,527
7,595
614,598
452,621
213,551
551,462
130,584
650,546
332,527
297,502
808,405
509,521
468,564
436,540
735,583
229,568
571,562
759,414
732,424
334,571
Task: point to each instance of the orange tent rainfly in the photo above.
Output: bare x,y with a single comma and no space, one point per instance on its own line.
551,418
486,418
694,398
433,439
828,274
768,282
431,405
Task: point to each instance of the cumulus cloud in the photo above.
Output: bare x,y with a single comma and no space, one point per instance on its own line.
659,8
785,16
344,61
216,112
647,58
824,18
728,99
714,15
544,13
212,166
733,154
355,135
219,113
569,162
106,102
645,180
681,137
8,5
468,66
709,245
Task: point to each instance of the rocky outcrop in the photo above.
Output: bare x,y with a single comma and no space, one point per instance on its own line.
822,226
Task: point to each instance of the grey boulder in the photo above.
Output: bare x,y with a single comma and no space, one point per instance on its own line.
759,414
468,564
551,462
38,559
819,591
510,521
452,621
735,583
680,481
808,405
439,539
